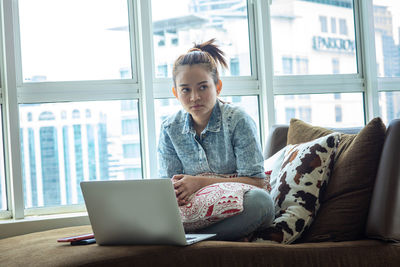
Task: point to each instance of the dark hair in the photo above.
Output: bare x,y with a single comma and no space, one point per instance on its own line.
206,53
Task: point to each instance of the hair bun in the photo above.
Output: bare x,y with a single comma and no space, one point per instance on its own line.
194,49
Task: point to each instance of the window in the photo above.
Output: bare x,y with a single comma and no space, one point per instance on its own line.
335,66
387,45
324,23
192,21
387,14
130,126
343,27
333,25
338,113
127,105
305,113
55,47
301,65
316,46
90,77
234,66
287,65
131,150
290,113
320,109
60,153
132,173
162,70
390,105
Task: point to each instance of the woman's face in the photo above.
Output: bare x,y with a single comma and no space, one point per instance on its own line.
196,91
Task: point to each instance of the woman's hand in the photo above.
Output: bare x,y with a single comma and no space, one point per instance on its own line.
185,186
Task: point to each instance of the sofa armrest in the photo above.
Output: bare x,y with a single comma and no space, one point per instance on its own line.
384,213
276,140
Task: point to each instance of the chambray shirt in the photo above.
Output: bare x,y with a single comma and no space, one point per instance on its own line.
229,144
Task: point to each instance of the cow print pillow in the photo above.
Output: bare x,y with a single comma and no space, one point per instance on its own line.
303,176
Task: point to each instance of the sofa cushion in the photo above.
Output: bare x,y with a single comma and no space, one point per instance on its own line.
213,203
42,249
272,166
345,204
304,172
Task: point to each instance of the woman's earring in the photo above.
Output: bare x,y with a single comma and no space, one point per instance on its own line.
219,87
174,92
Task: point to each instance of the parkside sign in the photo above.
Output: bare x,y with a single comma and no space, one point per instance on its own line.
333,44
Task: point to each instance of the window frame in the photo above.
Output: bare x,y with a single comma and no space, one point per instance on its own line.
145,87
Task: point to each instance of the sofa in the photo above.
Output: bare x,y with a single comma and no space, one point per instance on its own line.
368,238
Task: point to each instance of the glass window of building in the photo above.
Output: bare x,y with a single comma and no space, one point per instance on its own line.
333,25
179,23
324,23
320,109
335,66
343,27
130,126
389,103
55,47
287,65
387,31
301,29
338,113
58,153
131,150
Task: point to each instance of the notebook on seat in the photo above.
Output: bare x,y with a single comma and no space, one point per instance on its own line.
141,212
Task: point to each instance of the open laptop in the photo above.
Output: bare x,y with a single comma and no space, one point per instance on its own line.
141,212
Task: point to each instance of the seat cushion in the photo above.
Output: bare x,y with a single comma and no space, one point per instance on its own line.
42,249
345,203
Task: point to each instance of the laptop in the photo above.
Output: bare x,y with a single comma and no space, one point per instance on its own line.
136,212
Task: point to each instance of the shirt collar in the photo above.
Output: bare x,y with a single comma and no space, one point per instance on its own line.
214,124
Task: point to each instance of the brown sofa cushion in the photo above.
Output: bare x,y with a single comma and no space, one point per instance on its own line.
41,249
345,204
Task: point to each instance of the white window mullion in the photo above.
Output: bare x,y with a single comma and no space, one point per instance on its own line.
145,54
364,14
38,160
265,65
11,114
85,150
27,167
61,166
72,165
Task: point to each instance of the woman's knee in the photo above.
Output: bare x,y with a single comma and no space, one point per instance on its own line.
259,201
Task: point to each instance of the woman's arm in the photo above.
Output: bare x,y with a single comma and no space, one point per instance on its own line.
168,161
186,185
247,148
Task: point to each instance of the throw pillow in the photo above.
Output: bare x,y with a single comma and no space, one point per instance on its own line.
272,166
213,203
345,204
304,174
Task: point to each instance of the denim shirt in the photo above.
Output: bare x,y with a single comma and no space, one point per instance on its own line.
229,144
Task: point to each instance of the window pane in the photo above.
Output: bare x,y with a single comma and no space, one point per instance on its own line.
389,105
177,24
62,146
168,106
307,35
65,40
387,24
330,110
3,194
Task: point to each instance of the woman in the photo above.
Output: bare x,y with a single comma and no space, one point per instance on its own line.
210,140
